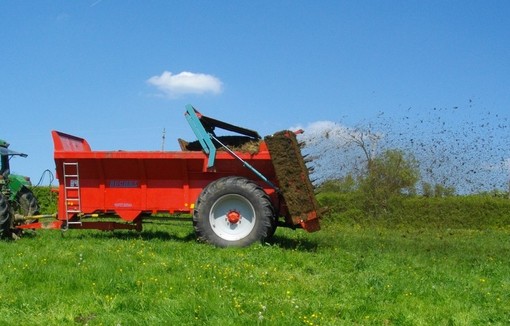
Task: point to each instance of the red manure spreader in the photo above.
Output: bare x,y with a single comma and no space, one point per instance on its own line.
238,188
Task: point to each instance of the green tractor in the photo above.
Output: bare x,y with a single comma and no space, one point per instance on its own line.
16,198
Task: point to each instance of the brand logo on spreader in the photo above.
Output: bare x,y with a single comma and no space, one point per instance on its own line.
123,183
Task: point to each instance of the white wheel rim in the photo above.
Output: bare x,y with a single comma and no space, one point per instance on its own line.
218,217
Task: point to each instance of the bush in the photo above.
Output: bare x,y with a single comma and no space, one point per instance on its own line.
389,175
336,202
47,199
454,212
467,212
344,185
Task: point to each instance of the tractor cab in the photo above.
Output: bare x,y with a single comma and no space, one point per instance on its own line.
6,154
15,182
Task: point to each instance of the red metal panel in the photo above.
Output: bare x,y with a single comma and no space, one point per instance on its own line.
131,183
65,142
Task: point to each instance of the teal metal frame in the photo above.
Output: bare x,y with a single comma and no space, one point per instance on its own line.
205,136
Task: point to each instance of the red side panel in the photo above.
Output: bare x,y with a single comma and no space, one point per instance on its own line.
131,183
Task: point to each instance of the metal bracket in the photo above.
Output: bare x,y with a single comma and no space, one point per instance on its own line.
204,126
193,117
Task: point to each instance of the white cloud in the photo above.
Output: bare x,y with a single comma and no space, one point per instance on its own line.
330,148
320,131
186,83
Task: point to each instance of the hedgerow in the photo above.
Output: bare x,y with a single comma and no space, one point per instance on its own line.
465,212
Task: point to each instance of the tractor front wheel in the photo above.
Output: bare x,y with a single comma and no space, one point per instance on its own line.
5,218
27,205
233,211
27,202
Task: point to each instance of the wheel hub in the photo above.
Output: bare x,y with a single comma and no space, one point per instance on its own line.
233,217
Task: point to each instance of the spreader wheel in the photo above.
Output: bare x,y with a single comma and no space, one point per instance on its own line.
5,218
233,211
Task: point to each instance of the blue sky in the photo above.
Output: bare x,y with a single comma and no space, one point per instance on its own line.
119,72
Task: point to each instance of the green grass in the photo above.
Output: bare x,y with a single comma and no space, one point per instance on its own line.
346,274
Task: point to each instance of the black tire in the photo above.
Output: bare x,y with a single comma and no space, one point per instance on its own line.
233,212
27,203
5,218
274,226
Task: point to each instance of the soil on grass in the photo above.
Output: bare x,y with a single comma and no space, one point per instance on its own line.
292,174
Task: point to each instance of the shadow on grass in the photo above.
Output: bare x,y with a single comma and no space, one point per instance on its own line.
293,244
179,232
145,235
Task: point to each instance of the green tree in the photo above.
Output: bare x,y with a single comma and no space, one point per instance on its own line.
438,190
443,191
427,190
392,173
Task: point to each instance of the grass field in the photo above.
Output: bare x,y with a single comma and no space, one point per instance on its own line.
342,275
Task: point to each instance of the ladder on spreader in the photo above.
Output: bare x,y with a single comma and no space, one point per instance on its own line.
71,191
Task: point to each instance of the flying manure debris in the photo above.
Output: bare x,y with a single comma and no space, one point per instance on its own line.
457,147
